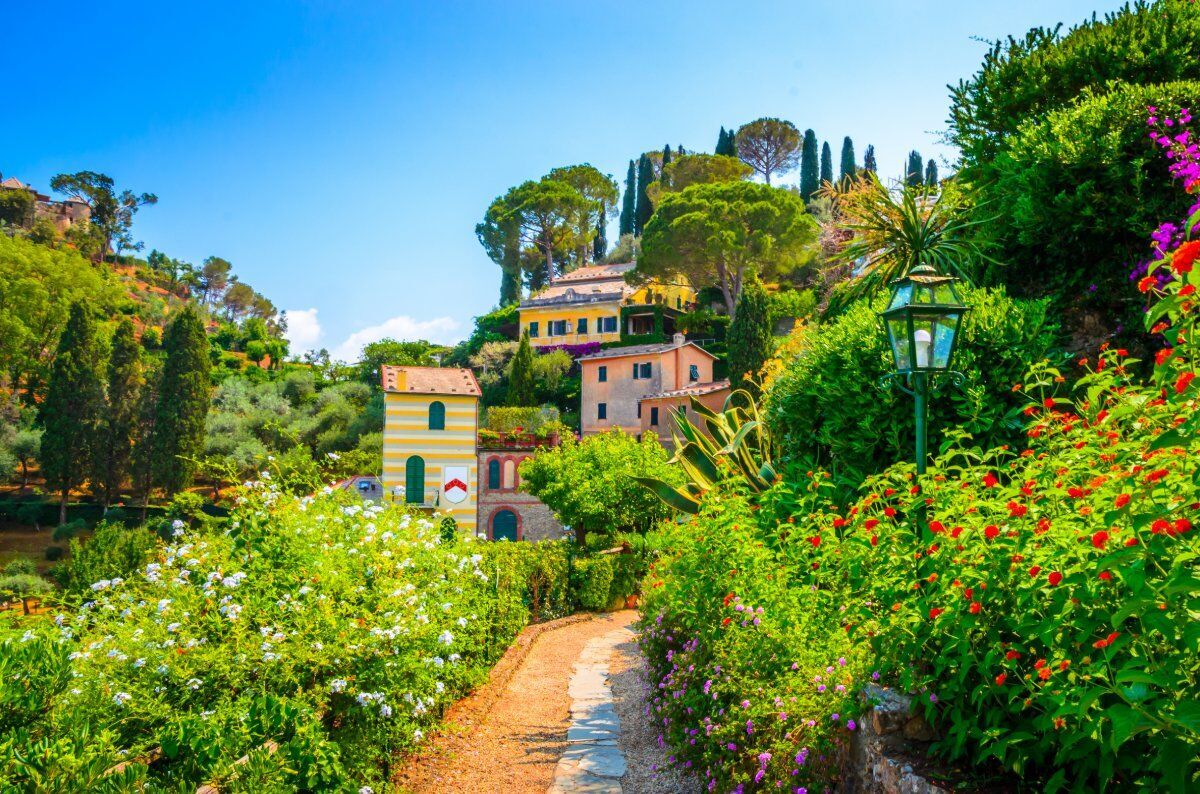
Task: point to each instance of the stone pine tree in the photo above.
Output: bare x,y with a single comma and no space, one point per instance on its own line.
810,176
628,201
931,174
750,340
70,413
914,174
869,163
118,423
600,241
826,163
520,375
643,210
183,397
848,167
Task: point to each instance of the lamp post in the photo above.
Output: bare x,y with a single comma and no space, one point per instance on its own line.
922,322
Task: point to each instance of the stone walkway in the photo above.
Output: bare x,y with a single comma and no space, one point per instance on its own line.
593,761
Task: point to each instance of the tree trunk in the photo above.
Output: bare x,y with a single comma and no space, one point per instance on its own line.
580,535
24,475
726,291
25,604
62,507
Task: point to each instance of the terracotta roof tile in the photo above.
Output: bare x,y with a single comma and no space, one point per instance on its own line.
641,350
694,390
591,272
449,381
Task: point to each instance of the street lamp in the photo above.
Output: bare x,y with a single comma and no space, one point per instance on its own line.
922,321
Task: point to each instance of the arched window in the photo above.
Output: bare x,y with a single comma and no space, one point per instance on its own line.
493,474
504,525
510,474
437,415
414,480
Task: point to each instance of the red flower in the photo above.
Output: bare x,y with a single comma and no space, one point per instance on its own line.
871,523
1064,664
1000,679
1043,525
990,481
954,533
1105,576
1039,664
1100,539
1161,356
1044,673
1122,500
991,531
839,522
1017,510
1188,289
726,621
1107,641
975,607
1034,571
1156,475
1048,402
1184,380
1147,283
1012,655
725,601
1160,526
1054,578
815,540
936,526
1182,525
874,540
933,613
890,512
1131,542
1184,256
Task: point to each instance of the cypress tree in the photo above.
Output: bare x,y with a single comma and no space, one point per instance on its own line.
142,464
826,163
931,174
644,210
666,156
183,398
725,144
510,286
750,340
869,163
914,174
600,241
520,376
627,202
848,167
118,425
810,177
71,412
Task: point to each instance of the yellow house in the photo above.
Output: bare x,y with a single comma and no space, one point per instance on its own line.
595,304
429,436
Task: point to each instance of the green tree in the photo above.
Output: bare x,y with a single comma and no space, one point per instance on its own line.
644,209
520,374
499,235
750,340
26,445
183,398
600,241
628,200
849,168
698,169
724,233
71,412
914,174
931,174
826,164
214,278
590,484
600,191
869,163
769,146
810,176
666,158
118,423
112,212
16,207
725,144
374,355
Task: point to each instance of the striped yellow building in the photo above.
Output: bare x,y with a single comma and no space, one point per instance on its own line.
429,434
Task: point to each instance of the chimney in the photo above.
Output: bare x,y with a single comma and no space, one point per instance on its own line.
679,339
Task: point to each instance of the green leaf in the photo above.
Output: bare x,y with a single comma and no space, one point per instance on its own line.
671,496
1124,721
1168,439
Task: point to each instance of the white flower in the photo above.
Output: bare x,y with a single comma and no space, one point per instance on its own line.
446,638
418,734
337,685
121,698
27,636
139,663
385,710
194,684
366,790
173,627
462,622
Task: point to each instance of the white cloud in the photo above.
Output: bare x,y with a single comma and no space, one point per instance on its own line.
442,330
303,330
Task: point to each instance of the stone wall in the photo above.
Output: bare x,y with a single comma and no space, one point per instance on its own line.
888,751
535,521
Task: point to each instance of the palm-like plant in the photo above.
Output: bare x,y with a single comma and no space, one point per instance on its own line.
733,443
891,236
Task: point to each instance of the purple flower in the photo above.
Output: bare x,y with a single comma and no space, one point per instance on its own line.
749,727
852,725
932,698
835,717
745,704
763,758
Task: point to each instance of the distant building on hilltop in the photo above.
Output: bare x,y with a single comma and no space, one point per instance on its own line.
594,304
63,214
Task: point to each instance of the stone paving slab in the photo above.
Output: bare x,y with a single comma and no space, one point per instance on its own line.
593,762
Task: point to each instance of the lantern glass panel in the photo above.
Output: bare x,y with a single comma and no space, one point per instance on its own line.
922,342
897,329
945,293
901,295
945,328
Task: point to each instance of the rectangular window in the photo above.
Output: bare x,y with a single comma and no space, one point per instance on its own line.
639,409
694,373
606,325
642,371
533,330
581,326
601,410
602,375
654,416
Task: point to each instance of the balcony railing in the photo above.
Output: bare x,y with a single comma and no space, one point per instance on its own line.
430,497
490,440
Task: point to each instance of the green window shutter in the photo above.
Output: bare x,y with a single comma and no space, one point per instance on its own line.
582,325
414,480
437,415
635,372
603,374
654,417
493,474
602,410
533,329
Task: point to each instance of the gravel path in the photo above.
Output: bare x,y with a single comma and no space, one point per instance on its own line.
508,735
639,736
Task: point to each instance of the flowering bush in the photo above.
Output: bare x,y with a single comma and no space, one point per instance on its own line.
338,630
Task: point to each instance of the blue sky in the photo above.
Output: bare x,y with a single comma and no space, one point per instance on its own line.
340,153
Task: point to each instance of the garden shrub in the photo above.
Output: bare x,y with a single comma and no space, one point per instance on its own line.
339,630
593,582
826,406
113,551
19,566
54,553
69,530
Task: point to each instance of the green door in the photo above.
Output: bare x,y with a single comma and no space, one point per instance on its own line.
504,525
414,480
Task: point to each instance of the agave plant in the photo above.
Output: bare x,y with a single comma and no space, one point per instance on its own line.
891,237
732,443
